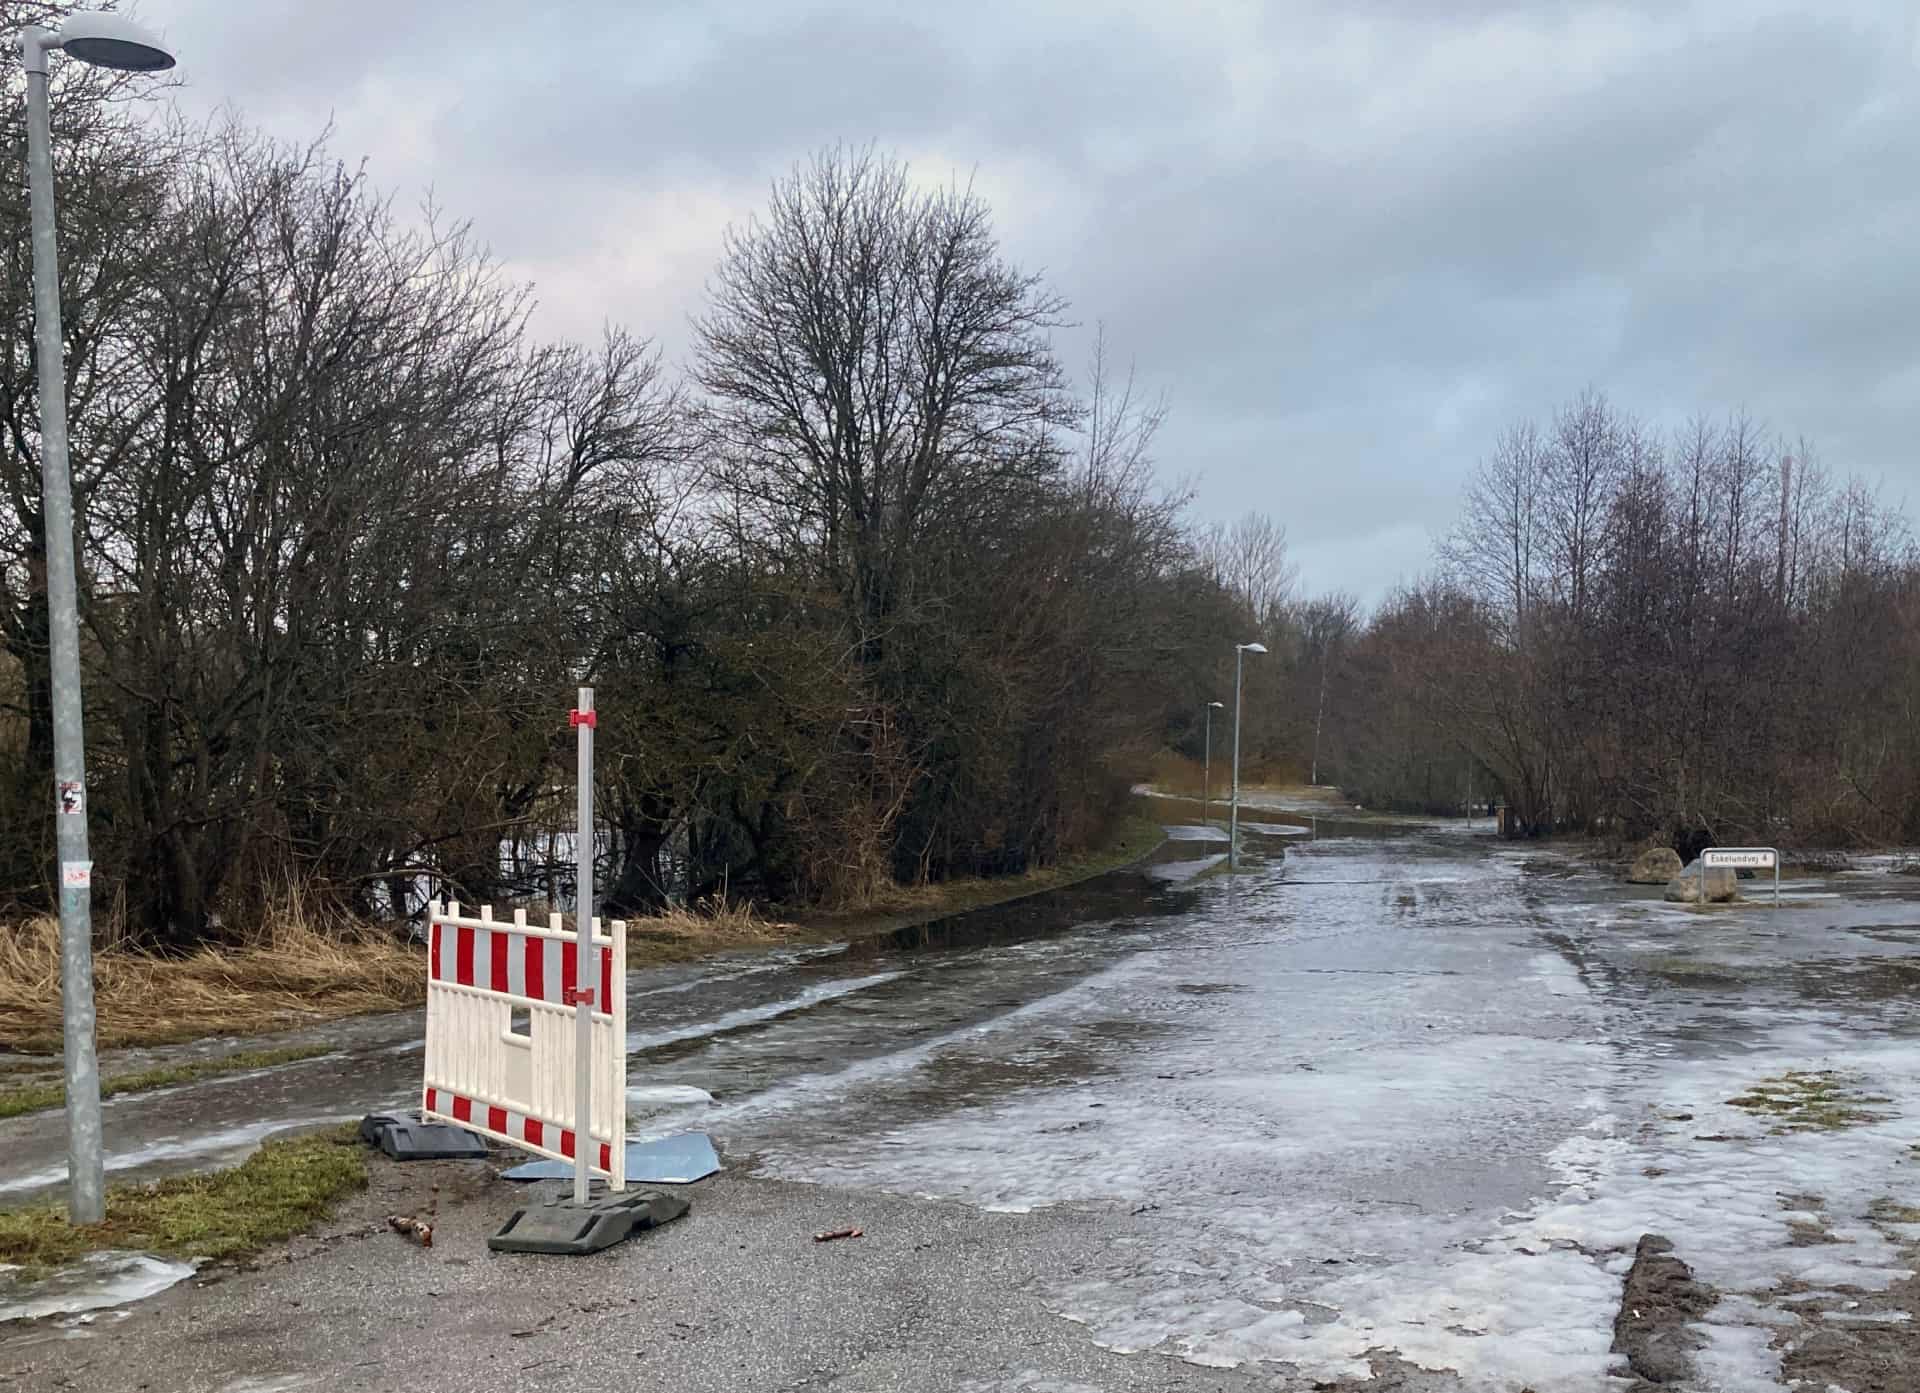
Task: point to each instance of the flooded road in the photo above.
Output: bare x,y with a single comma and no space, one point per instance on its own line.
743,1029
1411,1093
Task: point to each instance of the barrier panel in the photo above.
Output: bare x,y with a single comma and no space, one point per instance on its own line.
502,1053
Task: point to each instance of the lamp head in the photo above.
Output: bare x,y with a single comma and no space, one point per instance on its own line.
112,41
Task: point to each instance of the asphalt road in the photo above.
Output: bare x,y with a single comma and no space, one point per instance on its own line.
1388,1111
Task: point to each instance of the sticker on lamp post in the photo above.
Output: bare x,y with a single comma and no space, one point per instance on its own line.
76,875
72,798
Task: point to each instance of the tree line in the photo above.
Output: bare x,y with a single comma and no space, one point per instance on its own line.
1697,637
874,589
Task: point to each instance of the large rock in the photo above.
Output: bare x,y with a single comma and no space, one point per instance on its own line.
1655,866
1722,885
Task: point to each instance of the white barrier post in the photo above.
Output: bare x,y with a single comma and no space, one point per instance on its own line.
584,721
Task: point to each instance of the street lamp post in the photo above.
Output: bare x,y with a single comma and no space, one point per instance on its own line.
1319,718
1240,651
110,42
1206,767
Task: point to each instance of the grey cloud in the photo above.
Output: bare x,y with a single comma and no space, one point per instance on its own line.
1350,241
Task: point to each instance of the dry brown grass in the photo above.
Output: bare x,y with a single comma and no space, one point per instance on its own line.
1172,772
715,927
1175,773
292,972
298,969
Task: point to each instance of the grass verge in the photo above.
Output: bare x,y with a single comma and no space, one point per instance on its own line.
681,933
37,1097
901,906
299,972
282,1189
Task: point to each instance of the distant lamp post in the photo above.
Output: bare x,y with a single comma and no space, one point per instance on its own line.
1240,651
107,41
1206,767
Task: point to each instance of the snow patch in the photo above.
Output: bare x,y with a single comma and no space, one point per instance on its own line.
97,1282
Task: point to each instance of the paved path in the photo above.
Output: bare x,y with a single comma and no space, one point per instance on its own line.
1386,1111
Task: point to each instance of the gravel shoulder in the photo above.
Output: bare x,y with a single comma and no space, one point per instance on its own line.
737,1295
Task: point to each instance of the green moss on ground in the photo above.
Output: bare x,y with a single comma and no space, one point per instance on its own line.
37,1097
1817,1100
283,1189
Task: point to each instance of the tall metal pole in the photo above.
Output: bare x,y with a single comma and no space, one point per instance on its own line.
1206,768
85,1165
584,721
1319,715
1233,825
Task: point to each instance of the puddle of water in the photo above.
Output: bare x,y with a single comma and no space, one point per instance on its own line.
801,1092
1114,897
1176,872
97,1282
1181,833
754,1015
213,1147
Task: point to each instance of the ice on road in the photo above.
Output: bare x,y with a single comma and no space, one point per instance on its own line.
1388,1093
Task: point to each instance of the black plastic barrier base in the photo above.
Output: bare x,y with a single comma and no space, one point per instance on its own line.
409,1139
561,1228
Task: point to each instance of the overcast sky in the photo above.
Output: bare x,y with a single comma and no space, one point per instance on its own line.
1350,240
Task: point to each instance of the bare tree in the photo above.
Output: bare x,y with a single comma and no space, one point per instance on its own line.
1326,624
880,372
1249,557
1718,645
1495,546
1582,462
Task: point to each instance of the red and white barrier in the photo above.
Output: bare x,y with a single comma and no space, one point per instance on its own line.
521,1086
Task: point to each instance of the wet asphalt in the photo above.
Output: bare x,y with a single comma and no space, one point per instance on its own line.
1171,1129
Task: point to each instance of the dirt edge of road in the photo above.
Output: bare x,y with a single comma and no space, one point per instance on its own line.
1659,1303
1836,1337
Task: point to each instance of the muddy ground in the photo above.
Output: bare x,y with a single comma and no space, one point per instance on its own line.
741,1295
737,1295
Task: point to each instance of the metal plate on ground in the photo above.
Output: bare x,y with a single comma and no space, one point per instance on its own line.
678,1160
560,1228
